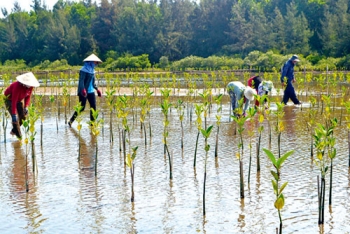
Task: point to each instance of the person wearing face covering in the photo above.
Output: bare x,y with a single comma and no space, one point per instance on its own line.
18,99
87,86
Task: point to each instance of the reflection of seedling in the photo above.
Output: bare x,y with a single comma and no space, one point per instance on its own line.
130,163
277,163
95,129
206,134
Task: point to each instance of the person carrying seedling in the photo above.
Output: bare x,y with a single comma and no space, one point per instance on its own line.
237,91
18,99
87,86
288,71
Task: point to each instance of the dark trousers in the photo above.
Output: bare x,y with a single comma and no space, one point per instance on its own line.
21,117
289,93
92,101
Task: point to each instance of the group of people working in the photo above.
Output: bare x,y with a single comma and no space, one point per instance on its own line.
256,86
19,92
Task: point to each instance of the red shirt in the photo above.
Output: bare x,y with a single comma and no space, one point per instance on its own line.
16,92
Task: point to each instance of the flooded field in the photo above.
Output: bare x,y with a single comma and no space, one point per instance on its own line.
65,195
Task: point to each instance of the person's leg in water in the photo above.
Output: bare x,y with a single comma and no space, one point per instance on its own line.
233,101
289,93
285,95
82,101
92,101
15,126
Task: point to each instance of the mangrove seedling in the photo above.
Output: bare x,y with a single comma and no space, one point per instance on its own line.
78,109
130,163
180,109
198,112
240,120
32,118
206,134
110,98
251,113
324,144
277,163
218,120
165,110
95,129
25,124
279,125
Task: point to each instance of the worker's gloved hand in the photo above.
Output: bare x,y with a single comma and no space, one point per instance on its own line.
83,92
99,93
25,110
14,118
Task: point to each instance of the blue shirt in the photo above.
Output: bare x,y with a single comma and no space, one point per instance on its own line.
288,71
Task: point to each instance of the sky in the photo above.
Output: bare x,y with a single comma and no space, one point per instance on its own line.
25,4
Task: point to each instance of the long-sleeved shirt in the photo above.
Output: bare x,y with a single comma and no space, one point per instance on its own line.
288,71
16,92
238,89
85,82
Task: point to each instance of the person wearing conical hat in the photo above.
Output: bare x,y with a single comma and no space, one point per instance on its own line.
18,99
87,85
237,90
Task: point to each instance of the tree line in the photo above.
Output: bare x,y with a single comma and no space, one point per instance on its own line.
174,29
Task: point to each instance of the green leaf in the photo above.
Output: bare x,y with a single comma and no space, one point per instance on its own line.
275,175
274,186
282,187
270,156
279,203
283,158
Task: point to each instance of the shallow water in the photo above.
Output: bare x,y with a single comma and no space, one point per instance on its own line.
65,196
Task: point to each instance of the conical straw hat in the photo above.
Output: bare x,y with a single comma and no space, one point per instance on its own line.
28,79
92,58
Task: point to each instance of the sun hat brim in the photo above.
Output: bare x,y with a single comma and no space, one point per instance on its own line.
28,79
92,58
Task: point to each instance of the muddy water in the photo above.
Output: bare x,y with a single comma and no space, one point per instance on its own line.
65,196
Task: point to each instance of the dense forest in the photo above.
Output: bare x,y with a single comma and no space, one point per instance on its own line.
174,29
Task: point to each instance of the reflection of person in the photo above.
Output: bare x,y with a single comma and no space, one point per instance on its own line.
288,71
87,85
237,91
18,99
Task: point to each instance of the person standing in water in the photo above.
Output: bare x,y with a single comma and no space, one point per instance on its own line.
288,71
87,86
18,99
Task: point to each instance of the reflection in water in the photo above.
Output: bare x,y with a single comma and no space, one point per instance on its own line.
241,216
73,200
26,201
